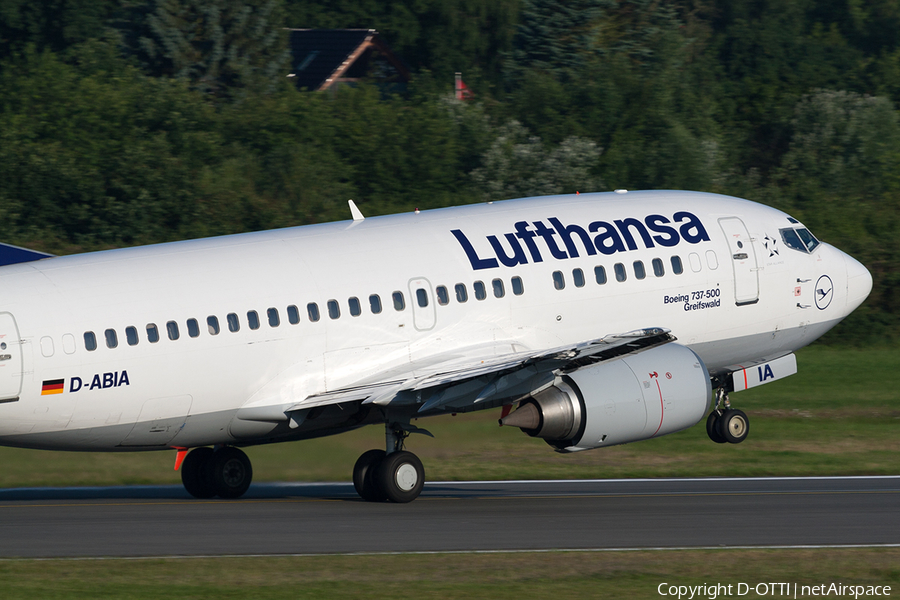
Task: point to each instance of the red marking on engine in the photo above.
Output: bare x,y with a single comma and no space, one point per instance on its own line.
662,409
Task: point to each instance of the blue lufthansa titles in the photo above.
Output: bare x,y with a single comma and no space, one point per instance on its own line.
565,241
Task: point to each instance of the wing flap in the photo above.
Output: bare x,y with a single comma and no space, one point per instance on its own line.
482,379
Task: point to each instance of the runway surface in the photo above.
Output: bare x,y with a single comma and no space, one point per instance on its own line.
455,516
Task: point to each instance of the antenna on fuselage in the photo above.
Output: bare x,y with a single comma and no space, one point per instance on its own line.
354,211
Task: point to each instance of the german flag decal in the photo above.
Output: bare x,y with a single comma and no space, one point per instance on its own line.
53,386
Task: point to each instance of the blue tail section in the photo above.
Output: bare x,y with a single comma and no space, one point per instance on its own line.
11,255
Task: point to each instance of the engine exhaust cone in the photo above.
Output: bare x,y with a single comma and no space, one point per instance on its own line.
527,416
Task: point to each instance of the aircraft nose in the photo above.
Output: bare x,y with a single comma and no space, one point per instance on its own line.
859,282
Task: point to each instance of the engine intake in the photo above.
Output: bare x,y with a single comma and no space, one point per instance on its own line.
636,397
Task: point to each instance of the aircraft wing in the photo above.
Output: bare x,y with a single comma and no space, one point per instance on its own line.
460,383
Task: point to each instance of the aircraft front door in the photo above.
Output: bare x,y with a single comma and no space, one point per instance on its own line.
10,358
743,260
421,298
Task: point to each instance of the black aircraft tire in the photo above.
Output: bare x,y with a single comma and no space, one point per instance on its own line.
364,479
231,472
196,474
401,477
712,428
734,426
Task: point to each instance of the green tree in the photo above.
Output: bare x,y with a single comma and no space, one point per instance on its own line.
518,164
51,24
226,49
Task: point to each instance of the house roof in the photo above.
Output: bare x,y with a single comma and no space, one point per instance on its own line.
322,57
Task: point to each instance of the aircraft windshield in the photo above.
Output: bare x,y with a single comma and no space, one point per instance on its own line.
799,239
808,239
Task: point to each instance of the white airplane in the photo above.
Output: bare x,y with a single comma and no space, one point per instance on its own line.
604,318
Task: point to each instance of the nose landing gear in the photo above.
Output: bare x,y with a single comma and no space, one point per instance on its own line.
726,424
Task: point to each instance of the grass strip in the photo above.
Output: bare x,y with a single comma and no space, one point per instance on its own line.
626,574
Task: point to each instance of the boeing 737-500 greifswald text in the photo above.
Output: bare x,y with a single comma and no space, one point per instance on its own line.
601,318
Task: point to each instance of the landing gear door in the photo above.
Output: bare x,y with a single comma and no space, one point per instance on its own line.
10,359
743,260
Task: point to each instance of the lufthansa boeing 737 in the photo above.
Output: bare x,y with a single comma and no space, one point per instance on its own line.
602,319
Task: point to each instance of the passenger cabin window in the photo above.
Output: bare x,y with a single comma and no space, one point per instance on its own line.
559,281
600,275
234,324
443,295
274,319
375,304
111,339
46,346
712,260
355,308
334,310
421,298
212,323
131,336
399,301
578,277
694,259
480,291
312,309
658,269
497,285
90,341
461,293
518,286
252,319
152,333
639,271
172,330
193,328
293,314
620,272
677,267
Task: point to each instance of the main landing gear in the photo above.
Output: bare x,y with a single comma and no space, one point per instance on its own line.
726,424
397,475
224,472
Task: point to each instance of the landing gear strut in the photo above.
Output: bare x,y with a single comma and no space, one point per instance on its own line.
225,472
726,424
395,475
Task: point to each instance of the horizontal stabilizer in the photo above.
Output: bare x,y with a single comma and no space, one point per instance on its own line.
11,255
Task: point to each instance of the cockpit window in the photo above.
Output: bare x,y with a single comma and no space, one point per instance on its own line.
808,239
799,239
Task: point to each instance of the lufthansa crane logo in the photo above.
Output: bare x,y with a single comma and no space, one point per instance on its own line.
824,292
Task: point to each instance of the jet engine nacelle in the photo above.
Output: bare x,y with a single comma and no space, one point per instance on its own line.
636,397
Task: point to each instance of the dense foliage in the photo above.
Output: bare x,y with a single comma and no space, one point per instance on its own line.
134,121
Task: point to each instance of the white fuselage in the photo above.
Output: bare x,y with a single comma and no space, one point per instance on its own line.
733,310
